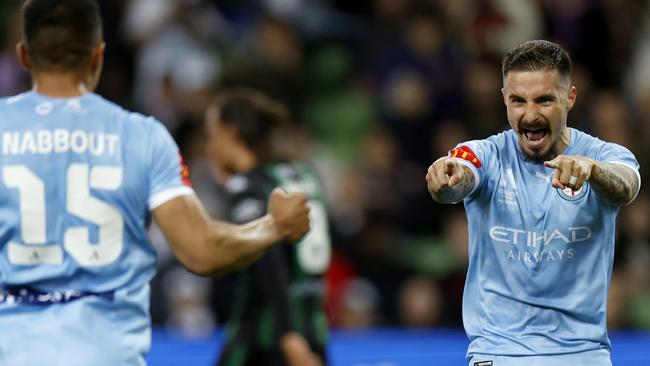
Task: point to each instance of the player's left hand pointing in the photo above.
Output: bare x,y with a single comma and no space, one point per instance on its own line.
570,171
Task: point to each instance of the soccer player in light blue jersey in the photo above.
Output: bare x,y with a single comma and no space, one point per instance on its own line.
541,201
80,181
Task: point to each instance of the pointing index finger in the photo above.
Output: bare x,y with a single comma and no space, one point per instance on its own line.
555,163
450,166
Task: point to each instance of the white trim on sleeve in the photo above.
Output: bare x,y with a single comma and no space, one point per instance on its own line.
638,177
165,195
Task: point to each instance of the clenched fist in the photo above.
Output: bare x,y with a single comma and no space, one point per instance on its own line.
570,171
290,213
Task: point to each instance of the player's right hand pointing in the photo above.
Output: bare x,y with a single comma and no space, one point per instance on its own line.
443,174
290,213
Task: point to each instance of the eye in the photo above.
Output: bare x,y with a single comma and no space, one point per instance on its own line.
546,100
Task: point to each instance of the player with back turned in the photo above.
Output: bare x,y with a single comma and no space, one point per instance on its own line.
277,313
541,201
81,180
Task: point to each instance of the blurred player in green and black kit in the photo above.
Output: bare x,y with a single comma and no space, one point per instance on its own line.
276,315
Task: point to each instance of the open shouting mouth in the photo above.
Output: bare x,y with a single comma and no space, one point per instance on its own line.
535,136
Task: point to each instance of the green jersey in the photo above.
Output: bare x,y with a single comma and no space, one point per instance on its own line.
283,291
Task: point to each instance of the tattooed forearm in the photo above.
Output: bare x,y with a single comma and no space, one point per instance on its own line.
459,191
618,184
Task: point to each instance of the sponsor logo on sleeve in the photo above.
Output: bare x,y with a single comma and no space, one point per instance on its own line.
464,152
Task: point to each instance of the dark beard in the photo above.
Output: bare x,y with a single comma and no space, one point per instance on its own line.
540,159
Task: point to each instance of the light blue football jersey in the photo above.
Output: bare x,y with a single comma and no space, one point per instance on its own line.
79,177
540,258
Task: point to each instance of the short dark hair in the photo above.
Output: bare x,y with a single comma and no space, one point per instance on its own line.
254,114
61,34
537,55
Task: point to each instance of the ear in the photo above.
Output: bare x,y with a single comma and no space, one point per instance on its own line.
97,56
23,56
572,94
95,66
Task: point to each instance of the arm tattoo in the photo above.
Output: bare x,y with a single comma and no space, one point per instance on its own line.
614,182
458,192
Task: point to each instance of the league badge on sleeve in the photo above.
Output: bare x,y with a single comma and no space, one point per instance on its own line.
571,195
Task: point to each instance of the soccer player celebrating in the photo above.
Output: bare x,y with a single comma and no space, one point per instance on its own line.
81,179
541,201
277,316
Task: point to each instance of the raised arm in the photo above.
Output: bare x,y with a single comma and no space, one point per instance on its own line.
449,181
616,183
208,246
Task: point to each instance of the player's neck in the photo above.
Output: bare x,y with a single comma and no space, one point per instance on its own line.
58,85
564,142
560,147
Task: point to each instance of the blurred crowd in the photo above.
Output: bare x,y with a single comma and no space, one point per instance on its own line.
378,90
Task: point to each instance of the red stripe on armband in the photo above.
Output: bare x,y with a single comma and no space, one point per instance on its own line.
465,153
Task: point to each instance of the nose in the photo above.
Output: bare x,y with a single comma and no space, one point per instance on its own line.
531,112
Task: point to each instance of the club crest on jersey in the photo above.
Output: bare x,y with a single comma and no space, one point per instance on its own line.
571,195
464,152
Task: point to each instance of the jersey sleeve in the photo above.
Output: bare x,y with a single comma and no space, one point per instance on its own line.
168,175
474,155
617,154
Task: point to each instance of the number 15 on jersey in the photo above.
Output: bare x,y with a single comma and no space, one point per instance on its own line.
80,178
